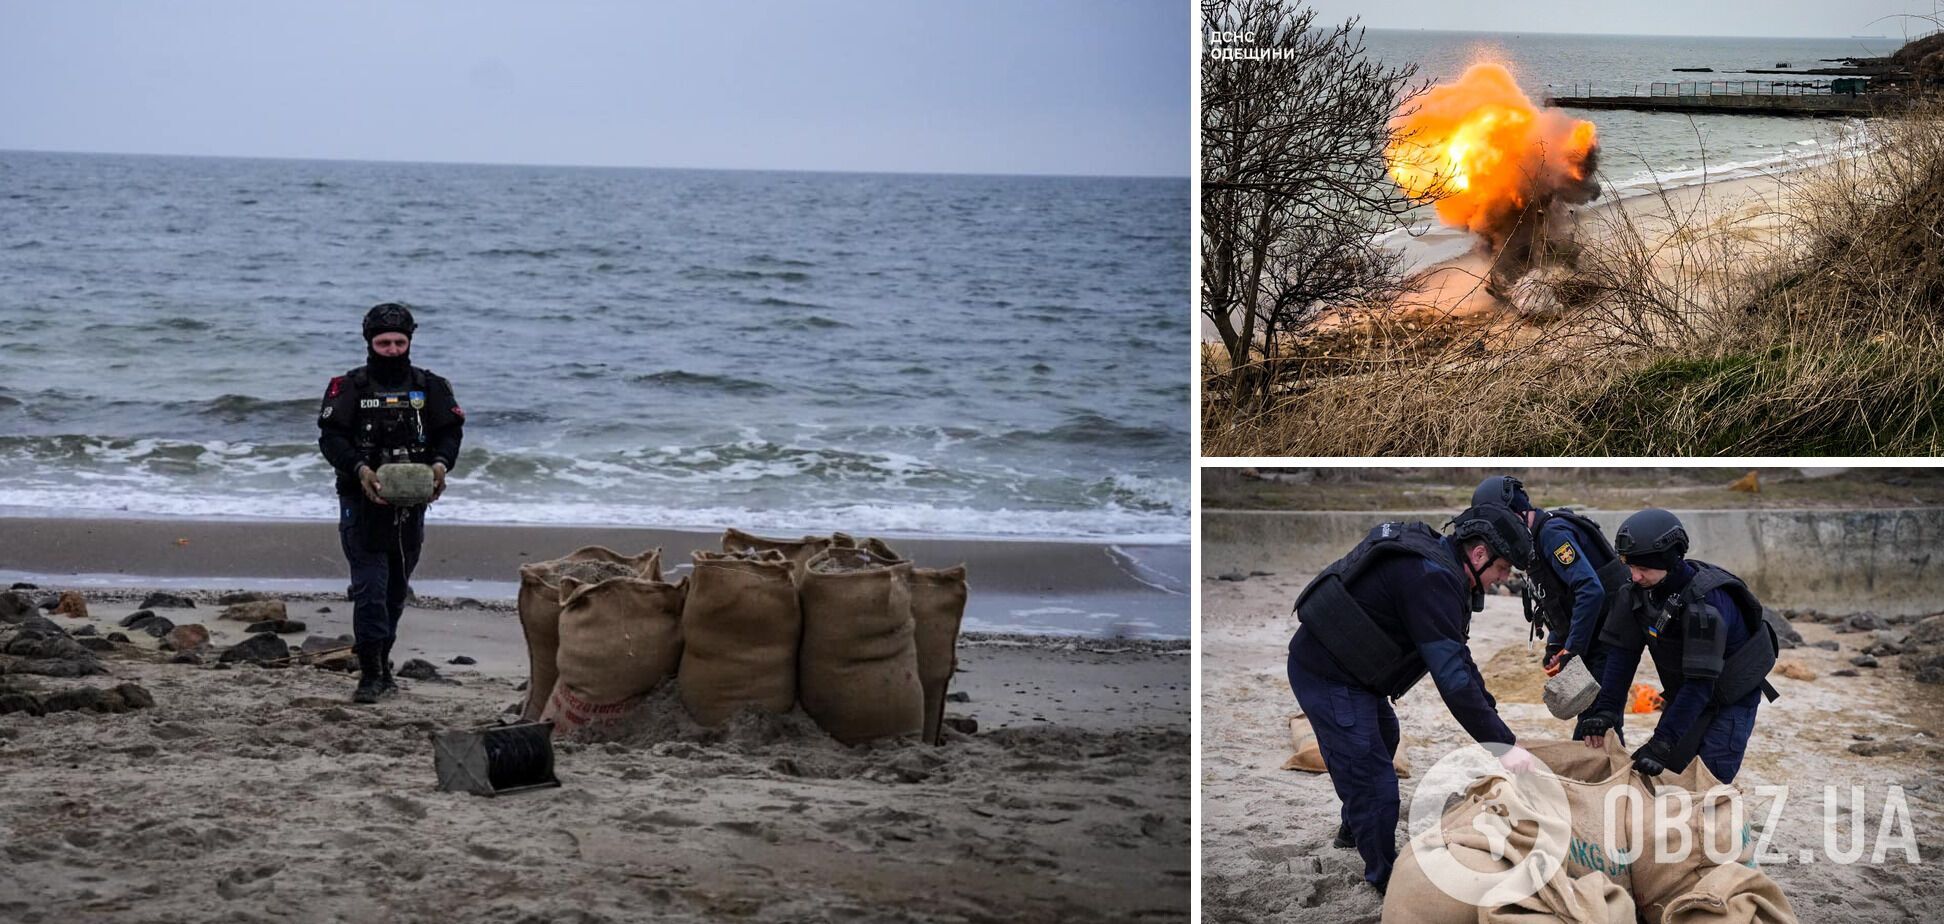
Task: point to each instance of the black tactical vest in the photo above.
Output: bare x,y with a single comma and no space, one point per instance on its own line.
1371,647
1704,638
391,423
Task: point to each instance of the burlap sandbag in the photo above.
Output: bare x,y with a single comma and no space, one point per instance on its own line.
1308,755
1589,899
619,638
937,608
1731,894
798,551
539,605
1703,814
1584,777
857,673
740,628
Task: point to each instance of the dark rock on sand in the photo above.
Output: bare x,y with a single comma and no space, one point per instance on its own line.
1784,632
117,637
256,611
96,644
158,627
317,643
1864,660
120,698
257,648
131,619
1879,748
243,596
186,637
1863,622
186,657
1845,672
1234,576
1829,644
418,669
15,606
165,600
958,696
964,725
23,585
279,626
462,659
84,630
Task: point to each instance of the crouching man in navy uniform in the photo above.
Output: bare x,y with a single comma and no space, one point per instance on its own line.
1573,576
386,410
1371,625
1710,644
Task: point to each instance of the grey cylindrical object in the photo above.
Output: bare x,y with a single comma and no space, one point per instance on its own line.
1572,690
407,484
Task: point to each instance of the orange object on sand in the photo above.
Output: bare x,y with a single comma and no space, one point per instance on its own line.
1644,698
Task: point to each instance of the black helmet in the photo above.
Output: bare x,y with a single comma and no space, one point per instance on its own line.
1652,538
1503,490
389,318
1503,531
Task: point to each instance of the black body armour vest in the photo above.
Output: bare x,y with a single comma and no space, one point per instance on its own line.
1371,647
1704,638
391,423
1552,597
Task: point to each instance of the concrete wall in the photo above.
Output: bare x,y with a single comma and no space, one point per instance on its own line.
1890,561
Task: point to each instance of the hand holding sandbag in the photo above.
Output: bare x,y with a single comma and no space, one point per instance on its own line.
1653,757
1593,726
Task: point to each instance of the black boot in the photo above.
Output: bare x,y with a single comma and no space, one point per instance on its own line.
369,677
1343,838
386,685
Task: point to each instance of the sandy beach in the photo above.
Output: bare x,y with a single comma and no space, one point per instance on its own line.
1266,832
254,793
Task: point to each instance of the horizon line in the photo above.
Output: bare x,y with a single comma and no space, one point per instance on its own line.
590,166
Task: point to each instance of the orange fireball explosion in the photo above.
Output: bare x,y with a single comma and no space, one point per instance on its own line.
1489,156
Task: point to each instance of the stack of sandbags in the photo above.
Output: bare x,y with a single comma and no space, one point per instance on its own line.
1306,755
539,605
619,639
798,551
741,623
937,610
1562,810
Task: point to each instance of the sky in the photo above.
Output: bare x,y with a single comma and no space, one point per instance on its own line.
1786,18
1090,87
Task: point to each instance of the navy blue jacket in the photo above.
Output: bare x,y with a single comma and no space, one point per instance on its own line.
1565,557
1685,699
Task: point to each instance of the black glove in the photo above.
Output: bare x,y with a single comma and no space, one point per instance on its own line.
1595,724
1653,757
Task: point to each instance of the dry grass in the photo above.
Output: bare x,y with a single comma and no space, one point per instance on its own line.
1817,329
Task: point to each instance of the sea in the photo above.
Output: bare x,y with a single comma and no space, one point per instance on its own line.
980,356
1642,151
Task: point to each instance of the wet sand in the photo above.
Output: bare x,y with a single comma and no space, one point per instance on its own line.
260,794
1077,587
1266,832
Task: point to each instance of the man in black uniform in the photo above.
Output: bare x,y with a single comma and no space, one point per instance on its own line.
1375,622
384,411
1574,575
1710,643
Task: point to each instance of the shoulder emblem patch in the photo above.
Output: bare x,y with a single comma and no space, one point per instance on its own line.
1565,553
337,385
456,412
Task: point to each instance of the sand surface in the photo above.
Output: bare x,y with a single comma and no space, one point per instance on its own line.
1266,832
260,794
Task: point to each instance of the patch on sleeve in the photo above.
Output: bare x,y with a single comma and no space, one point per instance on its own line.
458,412
1565,553
337,385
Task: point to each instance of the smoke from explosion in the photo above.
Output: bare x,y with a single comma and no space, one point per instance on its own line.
1495,163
